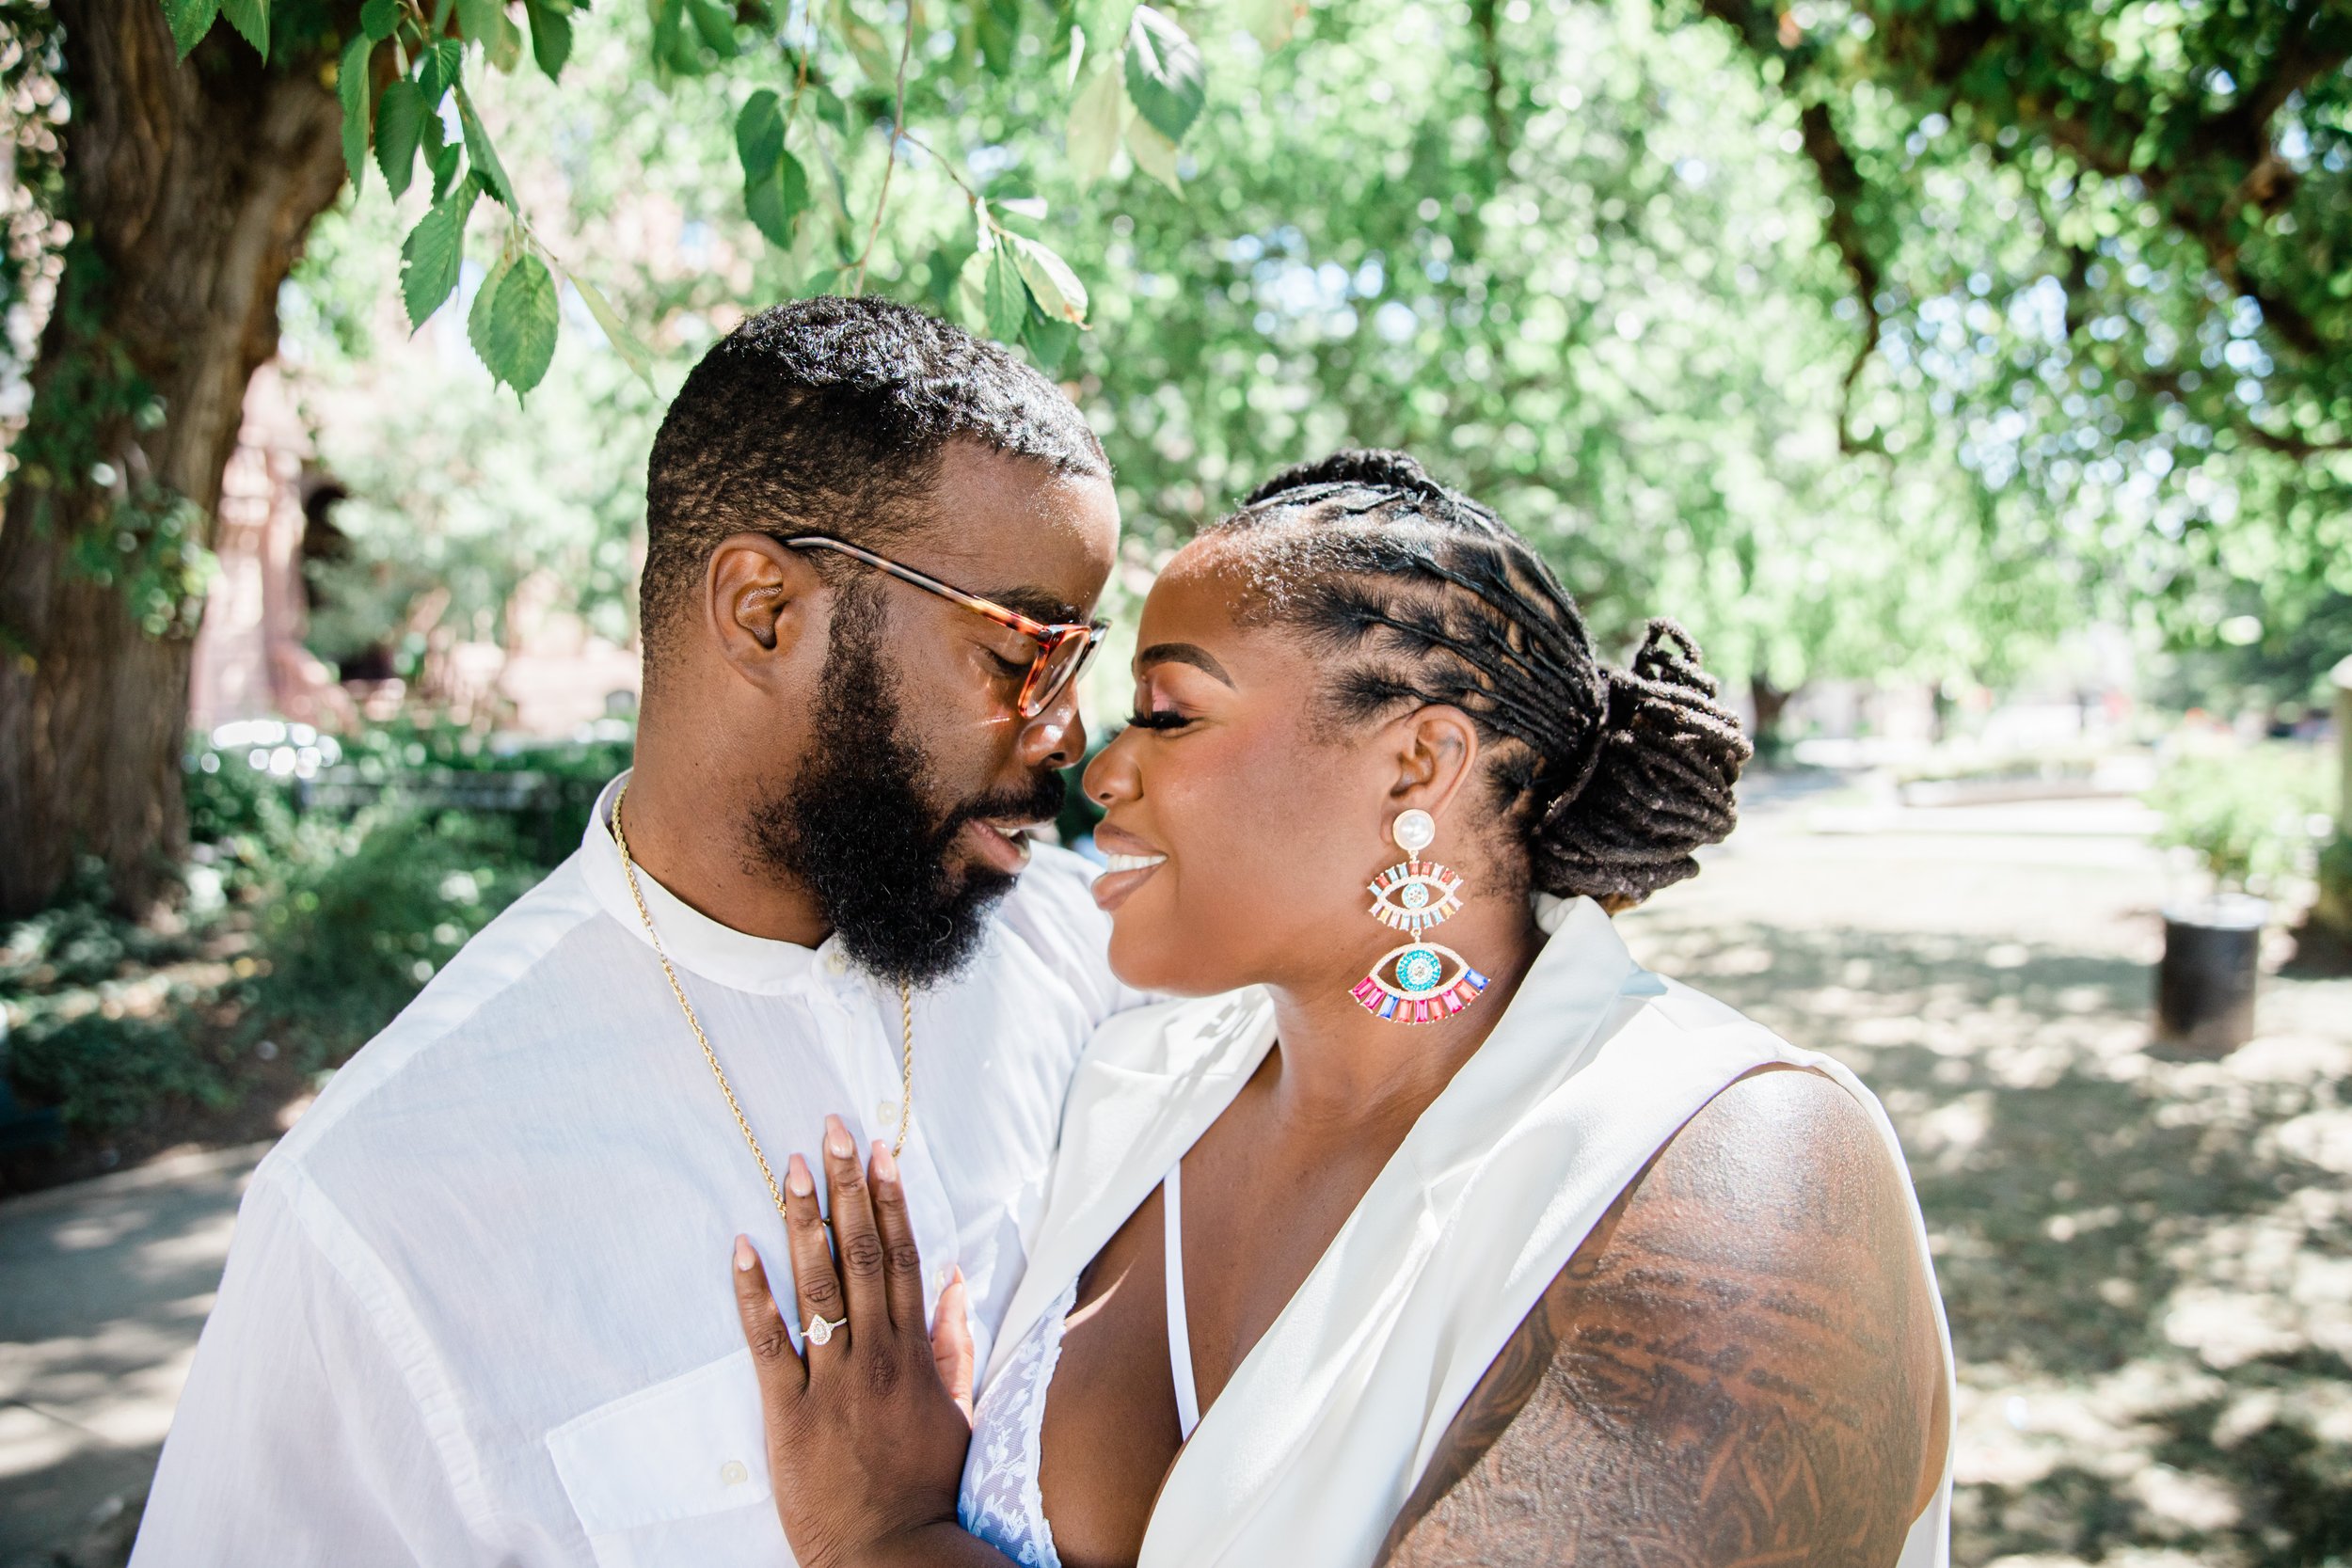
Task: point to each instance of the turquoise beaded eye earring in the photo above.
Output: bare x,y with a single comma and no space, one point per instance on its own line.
1409,984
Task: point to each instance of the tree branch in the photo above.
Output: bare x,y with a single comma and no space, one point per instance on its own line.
2227,162
1842,183
897,129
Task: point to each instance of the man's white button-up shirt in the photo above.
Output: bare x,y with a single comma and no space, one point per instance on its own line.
479,1306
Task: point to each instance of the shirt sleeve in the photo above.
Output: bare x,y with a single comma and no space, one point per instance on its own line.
297,1440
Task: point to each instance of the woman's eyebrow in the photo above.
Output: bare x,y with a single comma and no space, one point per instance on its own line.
1182,653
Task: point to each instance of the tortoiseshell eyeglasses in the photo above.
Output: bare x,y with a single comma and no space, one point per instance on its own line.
1062,649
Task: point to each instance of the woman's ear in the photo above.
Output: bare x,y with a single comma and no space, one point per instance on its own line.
1436,750
759,596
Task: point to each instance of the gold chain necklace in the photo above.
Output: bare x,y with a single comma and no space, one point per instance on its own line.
906,1026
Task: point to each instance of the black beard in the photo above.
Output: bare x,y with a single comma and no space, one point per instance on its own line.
859,830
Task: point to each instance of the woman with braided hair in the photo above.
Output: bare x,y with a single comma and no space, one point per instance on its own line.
1429,1231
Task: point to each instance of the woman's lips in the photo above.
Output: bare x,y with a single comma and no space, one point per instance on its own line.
1129,863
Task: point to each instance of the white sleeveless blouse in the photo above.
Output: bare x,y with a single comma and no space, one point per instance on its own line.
1326,1426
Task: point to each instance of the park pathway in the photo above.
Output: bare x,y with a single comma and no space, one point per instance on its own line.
103,1285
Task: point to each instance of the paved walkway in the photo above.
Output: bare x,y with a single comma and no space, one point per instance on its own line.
104,1287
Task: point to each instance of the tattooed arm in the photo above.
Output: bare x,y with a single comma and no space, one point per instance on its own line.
1739,1366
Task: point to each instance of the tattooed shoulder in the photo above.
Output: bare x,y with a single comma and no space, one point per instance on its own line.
1740,1366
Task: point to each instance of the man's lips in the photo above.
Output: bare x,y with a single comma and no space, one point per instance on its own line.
1004,845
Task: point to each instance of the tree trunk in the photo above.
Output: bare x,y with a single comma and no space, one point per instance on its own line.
1769,701
190,188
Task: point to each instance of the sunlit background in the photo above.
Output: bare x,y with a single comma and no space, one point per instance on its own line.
2001,474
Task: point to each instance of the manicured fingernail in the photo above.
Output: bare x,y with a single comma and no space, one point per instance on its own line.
886,1167
745,1255
837,1142
796,1176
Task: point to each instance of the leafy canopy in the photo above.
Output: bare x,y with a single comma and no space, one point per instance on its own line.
401,67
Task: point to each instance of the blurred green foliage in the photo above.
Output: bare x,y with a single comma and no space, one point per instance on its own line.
316,908
2112,244
2254,817
1862,359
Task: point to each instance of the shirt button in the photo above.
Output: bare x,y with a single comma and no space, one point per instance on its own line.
836,962
734,1473
887,1114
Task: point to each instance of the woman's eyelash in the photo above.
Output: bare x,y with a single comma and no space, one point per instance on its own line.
1159,719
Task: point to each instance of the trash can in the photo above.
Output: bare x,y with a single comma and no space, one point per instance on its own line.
2206,984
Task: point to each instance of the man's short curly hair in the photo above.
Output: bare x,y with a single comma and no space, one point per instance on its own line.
829,416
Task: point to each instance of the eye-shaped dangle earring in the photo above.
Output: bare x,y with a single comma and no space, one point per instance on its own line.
1411,984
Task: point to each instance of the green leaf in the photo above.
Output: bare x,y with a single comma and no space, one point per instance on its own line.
486,23
716,23
190,20
997,28
443,67
1272,21
1154,154
445,163
777,198
1049,342
1059,293
1166,77
1097,118
250,18
1103,21
1005,297
479,19
550,38
828,105
351,85
433,253
486,167
972,286
759,134
874,56
400,121
514,321
1022,215
673,39
624,342
378,18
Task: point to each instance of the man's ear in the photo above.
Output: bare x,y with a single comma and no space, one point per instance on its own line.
759,600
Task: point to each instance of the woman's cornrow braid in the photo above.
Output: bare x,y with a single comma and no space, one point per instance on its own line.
1420,594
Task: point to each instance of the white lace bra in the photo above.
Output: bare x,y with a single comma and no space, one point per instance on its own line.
999,1501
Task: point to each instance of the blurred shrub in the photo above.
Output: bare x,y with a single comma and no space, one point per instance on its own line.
2333,911
328,881
367,911
78,941
2254,817
105,1072
76,1043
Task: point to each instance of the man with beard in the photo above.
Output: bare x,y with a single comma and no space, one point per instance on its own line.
478,1307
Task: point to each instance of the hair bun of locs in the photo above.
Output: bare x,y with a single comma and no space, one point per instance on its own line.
1416,592
1656,784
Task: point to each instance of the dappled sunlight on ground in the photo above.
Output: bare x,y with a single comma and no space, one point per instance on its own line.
2147,1262
106,1288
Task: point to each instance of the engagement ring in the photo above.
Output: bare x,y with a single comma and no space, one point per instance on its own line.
819,1331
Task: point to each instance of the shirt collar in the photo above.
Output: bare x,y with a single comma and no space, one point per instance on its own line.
692,940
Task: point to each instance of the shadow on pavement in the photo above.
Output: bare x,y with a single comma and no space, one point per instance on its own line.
2147,1264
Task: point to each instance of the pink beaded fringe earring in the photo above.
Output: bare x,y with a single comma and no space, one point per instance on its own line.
1409,984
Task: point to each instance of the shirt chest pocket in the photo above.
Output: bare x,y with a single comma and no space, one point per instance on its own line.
675,1475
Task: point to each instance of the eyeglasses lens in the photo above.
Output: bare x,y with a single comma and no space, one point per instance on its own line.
1062,667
